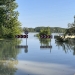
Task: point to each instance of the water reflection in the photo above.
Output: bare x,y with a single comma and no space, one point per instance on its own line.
45,43
67,46
8,56
23,46
8,67
26,50
44,68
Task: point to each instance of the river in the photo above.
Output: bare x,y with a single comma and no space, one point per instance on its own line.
58,60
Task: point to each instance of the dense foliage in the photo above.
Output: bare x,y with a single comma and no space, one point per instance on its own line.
71,29
9,24
45,31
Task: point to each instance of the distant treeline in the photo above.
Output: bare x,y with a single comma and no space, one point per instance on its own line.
52,29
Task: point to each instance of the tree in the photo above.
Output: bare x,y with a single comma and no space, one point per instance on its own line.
9,24
71,29
45,31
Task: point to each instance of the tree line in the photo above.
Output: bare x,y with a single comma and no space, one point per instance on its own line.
52,29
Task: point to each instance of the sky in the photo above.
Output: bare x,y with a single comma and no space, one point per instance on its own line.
52,13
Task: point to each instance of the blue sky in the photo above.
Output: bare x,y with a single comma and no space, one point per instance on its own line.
53,13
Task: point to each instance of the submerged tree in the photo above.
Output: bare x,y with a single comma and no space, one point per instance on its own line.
45,31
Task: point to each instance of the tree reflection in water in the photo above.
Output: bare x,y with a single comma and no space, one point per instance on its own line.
70,45
45,42
8,56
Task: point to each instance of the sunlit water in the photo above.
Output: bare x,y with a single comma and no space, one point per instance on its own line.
36,61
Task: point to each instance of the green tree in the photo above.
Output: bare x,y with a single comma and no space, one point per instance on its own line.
9,24
45,31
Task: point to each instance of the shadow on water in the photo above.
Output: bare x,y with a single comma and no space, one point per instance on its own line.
67,46
8,56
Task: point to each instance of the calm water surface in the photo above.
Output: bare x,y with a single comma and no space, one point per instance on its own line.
58,60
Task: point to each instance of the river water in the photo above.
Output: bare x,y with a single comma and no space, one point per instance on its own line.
58,60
